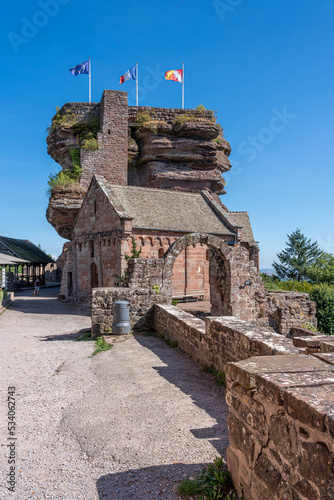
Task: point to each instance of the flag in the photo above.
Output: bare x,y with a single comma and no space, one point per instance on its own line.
175,75
131,74
81,69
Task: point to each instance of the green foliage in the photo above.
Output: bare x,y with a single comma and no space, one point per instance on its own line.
101,345
219,377
175,302
135,254
122,280
310,327
298,256
66,178
322,270
90,144
85,336
289,286
323,296
172,343
3,294
142,118
213,484
156,288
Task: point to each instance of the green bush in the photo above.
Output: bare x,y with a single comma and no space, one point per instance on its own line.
323,296
213,484
90,144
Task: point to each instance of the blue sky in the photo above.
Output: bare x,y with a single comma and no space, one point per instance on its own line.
265,66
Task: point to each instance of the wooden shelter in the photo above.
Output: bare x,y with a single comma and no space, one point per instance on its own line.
26,262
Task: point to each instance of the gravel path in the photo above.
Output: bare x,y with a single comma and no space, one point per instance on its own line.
128,423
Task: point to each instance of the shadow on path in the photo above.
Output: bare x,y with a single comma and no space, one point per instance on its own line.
208,396
149,483
45,303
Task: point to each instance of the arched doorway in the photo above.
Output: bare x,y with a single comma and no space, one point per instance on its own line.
218,268
234,279
94,276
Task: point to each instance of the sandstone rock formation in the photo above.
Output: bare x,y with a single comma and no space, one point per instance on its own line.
168,149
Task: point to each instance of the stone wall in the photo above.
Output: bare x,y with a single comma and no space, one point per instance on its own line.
281,428
286,310
220,340
281,402
111,159
165,114
141,302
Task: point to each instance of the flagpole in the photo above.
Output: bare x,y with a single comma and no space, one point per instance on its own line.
136,84
90,81
182,85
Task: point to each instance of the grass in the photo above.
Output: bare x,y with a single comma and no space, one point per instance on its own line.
214,483
101,345
85,336
172,343
219,377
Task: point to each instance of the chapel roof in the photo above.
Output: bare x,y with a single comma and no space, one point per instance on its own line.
169,210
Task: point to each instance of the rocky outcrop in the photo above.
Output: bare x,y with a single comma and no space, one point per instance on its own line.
189,154
63,209
167,148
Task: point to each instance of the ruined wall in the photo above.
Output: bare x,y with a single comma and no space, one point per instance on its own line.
286,310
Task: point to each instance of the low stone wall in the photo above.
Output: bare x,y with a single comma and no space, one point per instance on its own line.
281,427
220,340
141,307
281,402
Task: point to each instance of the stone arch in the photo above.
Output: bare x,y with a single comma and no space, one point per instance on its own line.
220,285
234,282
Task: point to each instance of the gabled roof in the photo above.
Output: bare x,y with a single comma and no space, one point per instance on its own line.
24,249
168,210
242,219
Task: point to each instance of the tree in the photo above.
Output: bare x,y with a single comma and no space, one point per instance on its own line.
298,256
322,270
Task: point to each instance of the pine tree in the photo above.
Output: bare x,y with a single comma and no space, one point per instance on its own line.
295,260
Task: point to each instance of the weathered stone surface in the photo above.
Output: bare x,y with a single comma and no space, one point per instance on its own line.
63,209
296,395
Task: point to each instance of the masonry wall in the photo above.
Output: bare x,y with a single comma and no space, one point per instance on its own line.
111,159
286,310
141,302
281,417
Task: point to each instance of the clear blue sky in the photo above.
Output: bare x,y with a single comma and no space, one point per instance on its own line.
265,66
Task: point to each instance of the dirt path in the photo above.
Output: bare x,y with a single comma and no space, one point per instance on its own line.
126,424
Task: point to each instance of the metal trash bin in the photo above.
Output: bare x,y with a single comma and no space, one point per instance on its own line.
121,322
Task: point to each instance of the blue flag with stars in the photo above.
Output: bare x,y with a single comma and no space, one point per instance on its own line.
81,69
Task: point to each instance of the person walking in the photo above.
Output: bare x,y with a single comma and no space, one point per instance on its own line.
37,285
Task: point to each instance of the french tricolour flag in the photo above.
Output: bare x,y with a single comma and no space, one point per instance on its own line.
131,74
